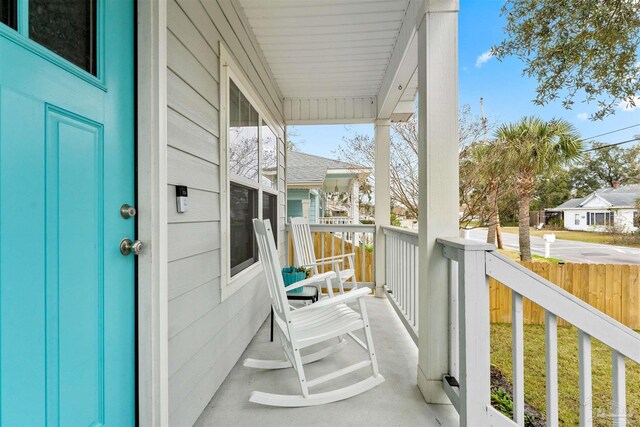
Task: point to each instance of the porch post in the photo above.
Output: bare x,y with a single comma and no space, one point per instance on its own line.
383,198
306,208
355,202
438,185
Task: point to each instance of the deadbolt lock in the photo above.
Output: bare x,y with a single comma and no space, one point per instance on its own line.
127,247
127,211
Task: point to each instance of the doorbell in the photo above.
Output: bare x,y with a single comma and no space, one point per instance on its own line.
182,200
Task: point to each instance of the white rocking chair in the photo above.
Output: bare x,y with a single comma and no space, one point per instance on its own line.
304,255
320,322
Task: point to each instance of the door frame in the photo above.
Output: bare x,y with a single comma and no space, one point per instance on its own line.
151,166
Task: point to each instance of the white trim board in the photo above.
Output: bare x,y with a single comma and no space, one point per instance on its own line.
152,316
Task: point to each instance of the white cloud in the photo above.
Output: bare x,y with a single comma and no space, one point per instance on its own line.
583,116
629,106
485,57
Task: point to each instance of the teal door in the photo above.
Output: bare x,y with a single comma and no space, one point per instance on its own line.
67,312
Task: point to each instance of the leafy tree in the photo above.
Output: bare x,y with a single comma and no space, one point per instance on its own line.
533,146
552,189
483,179
604,167
360,149
585,48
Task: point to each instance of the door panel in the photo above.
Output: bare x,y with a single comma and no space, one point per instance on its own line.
67,314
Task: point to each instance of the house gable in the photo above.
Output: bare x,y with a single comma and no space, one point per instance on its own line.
595,201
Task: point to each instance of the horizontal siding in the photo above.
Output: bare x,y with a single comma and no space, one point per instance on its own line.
206,335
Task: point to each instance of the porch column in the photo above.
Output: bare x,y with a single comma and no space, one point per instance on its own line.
355,201
306,208
438,184
383,198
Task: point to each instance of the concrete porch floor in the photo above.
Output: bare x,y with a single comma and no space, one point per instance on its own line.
396,402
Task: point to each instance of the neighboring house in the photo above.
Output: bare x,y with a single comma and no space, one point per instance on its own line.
319,187
603,210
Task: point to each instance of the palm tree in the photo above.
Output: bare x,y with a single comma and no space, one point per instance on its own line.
531,147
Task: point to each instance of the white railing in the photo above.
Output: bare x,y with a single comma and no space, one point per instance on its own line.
401,275
468,382
336,239
335,220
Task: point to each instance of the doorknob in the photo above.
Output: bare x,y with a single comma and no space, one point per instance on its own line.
127,211
127,247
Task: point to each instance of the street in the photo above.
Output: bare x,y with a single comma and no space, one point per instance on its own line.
570,250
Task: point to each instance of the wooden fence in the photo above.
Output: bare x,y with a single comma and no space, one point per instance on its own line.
613,289
333,245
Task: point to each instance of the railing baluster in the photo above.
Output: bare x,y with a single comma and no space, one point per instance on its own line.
551,348
412,279
363,258
517,345
584,367
322,255
402,279
404,274
619,400
454,316
416,286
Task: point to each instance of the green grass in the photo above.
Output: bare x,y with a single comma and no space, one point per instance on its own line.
569,406
583,236
515,256
550,259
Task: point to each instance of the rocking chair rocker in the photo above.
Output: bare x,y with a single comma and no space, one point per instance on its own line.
322,321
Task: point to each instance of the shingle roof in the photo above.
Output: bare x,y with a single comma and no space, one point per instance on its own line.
572,203
623,196
308,168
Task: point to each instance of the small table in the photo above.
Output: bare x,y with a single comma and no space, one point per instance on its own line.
309,293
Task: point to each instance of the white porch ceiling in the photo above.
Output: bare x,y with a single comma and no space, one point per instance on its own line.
327,48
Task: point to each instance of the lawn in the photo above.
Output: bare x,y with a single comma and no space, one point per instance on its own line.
515,256
583,236
534,361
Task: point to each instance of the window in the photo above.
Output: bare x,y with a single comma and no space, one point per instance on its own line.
252,179
600,218
66,27
270,212
577,220
243,135
243,208
9,13
269,157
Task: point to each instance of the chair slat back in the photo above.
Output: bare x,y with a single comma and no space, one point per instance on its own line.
302,242
271,265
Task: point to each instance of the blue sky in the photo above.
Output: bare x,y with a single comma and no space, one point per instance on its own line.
507,94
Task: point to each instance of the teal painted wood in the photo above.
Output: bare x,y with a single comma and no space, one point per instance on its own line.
294,208
67,342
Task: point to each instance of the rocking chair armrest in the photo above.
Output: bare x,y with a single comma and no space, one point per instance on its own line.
318,278
339,299
335,257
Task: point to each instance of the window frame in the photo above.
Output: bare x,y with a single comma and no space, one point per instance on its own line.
230,70
20,36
